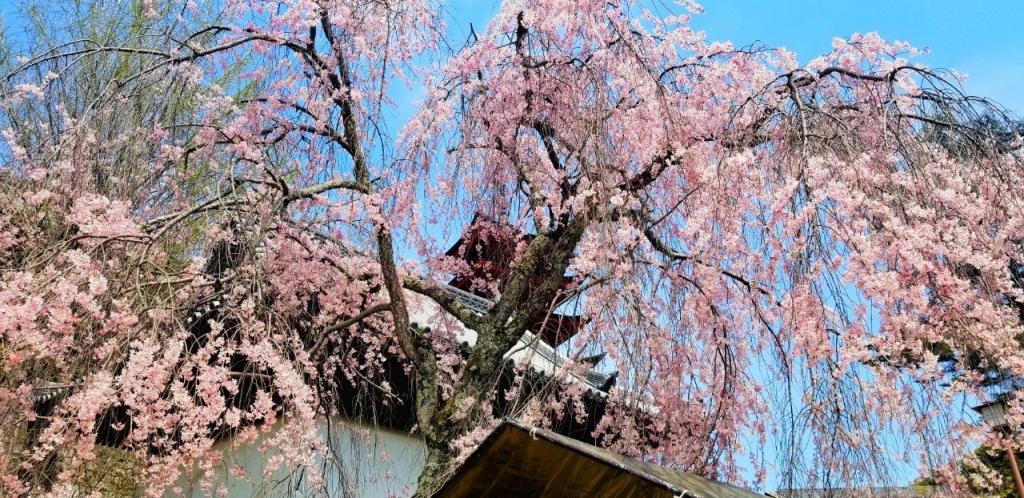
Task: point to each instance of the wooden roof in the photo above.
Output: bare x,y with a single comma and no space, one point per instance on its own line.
520,460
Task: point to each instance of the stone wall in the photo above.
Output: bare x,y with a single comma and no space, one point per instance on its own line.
113,474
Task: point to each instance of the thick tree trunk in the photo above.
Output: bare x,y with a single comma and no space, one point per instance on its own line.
547,256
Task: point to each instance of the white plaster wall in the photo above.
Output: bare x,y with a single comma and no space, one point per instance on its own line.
368,463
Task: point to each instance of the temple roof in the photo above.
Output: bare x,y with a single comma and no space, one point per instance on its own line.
489,250
540,355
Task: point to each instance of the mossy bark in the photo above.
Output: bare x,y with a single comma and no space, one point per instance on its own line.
531,289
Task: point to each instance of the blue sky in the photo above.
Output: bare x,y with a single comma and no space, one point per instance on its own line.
982,38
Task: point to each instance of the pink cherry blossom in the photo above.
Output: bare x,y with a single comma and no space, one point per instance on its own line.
822,259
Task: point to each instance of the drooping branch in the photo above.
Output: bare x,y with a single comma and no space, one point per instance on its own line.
672,254
325,333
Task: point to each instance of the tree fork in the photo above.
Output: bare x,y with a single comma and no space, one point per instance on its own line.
548,255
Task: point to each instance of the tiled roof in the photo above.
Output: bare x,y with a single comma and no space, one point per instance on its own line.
542,357
49,390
